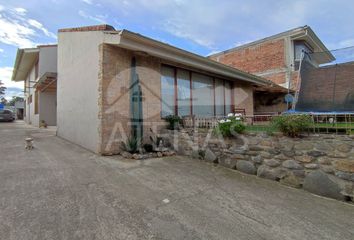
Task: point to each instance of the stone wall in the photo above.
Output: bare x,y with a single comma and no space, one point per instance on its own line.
321,164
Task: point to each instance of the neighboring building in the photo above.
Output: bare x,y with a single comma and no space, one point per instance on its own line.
276,58
37,67
19,109
111,83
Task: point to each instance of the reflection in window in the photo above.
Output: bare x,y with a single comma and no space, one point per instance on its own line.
167,91
228,98
219,97
203,95
183,91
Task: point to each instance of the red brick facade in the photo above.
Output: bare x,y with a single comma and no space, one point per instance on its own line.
262,59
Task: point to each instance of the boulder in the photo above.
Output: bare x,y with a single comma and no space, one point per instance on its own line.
316,153
271,162
257,159
292,181
345,175
228,162
344,148
127,155
246,167
271,173
210,156
266,155
304,159
345,165
319,183
292,164
311,166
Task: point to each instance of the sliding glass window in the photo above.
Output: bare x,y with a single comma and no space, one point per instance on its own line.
167,91
219,97
228,98
203,95
183,93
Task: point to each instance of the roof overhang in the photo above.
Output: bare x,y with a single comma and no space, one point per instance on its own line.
136,42
47,82
25,59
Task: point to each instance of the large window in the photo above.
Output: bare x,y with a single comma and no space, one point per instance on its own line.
187,93
167,91
184,92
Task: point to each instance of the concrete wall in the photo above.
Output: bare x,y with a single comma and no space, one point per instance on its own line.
30,117
77,87
48,108
47,60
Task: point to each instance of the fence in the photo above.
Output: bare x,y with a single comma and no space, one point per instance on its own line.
321,123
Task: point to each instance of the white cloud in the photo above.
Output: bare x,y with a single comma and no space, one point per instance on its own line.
87,2
18,30
97,18
5,77
1,50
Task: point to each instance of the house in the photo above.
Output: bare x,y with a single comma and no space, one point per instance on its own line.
113,84
37,68
276,58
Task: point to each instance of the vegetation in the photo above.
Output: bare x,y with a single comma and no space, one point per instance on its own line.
2,88
292,125
131,145
173,121
14,100
230,127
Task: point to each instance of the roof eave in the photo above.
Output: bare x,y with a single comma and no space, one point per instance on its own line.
19,61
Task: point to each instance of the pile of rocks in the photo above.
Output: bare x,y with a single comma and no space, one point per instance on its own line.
142,156
321,164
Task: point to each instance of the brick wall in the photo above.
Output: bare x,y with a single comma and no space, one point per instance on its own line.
319,84
260,59
114,96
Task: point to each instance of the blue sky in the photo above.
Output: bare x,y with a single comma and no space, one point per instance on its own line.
200,26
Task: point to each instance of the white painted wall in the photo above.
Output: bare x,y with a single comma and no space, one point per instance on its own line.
31,118
77,94
47,60
48,108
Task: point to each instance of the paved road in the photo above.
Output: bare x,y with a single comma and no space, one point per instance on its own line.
61,191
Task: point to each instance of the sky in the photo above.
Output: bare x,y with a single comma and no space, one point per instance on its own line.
199,26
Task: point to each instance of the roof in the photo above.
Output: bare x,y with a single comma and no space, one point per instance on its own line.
300,33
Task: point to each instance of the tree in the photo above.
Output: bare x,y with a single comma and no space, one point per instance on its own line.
14,100
3,101
2,88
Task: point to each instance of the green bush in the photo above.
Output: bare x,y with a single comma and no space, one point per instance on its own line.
173,121
229,127
292,125
131,145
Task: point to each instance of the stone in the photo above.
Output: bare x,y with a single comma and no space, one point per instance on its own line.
126,155
257,159
265,155
292,164
210,156
271,162
266,143
292,181
271,173
252,153
228,162
289,153
246,167
345,165
159,154
255,148
281,157
298,173
316,153
324,161
344,148
320,183
323,146
274,151
327,169
345,175
303,146
195,154
337,154
304,159
238,156
311,166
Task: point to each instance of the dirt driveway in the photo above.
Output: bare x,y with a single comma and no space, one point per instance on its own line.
61,191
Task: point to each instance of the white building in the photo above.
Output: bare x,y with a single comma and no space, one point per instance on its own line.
37,68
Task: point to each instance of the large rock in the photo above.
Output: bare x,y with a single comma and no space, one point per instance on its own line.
292,180
271,173
303,146
271,162
316,153
257,159
345,165
210,156
311,166
304,159
292,164
289,153
345,175
319,183
228,162
344,148
246,167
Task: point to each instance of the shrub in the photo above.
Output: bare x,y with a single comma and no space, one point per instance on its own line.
229,127
292,125
131,145
173,121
